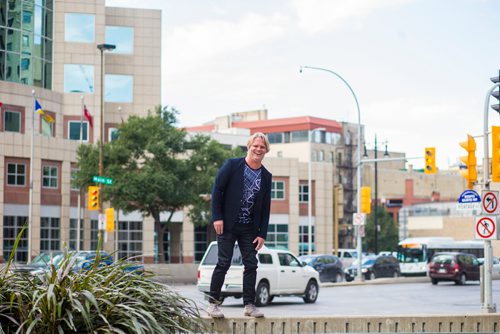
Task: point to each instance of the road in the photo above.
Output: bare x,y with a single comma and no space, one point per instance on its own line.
394,298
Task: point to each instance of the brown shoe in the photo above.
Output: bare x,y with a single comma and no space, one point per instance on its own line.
214,311
252,311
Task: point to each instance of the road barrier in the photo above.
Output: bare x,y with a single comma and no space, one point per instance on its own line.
475,323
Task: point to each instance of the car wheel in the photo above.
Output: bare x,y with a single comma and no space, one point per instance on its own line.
461,279
434,281
338,278
263,296
311,293
372,275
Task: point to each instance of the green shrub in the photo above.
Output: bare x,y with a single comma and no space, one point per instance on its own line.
103,299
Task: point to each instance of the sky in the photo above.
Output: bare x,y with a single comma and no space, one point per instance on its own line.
420,69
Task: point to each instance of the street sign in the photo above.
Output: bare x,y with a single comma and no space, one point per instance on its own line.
486,227
358,218
469,200
102,221
490,203
102,179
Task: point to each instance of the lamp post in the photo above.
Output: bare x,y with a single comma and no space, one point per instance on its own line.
309,193
358,165
102,48
375,209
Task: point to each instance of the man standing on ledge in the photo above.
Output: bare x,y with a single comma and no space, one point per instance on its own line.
241,204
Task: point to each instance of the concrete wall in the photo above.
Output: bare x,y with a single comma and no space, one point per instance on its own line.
484,323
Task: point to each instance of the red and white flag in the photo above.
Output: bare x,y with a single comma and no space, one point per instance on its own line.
87,115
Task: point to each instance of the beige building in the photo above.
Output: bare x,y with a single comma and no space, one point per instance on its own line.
50,54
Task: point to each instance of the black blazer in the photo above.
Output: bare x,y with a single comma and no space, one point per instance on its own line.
227,196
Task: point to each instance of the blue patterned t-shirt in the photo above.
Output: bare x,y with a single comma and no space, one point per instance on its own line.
251,186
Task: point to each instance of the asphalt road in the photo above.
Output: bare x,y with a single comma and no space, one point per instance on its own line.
402,296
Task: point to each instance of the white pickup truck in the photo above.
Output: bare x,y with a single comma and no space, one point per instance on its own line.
279,273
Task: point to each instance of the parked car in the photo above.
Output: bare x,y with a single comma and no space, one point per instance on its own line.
329,267
347,256
279,273
42,260
453,266
374,266
495,264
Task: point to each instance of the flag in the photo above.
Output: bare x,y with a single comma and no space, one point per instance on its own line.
46,128
38,108
88,115
46,117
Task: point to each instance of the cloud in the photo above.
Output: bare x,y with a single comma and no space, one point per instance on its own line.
317,16
189,46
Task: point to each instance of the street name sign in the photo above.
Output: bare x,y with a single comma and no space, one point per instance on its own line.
102,179
486,227
469,200
490,202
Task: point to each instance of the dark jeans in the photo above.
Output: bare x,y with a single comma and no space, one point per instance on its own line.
244,234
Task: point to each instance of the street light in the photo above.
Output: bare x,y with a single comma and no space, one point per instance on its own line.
309,193
358,200
102,48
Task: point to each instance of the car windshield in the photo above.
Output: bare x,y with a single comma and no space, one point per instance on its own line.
306,259
443,259
365,262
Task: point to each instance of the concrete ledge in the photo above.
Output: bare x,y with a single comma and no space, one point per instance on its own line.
475,323
173,272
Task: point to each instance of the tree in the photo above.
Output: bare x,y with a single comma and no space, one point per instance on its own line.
388,234
206,157
155,169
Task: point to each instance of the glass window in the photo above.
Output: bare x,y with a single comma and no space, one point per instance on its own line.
265,259
12,226
79,28
303,193
72,233
277,236
16,174
49,234
74,130
12,67
49,177
79,78
112,134
122,38
74,171
321,155
129,239
299,136
12,121
119,88
278,190
94,234
275,138
304,239
14,14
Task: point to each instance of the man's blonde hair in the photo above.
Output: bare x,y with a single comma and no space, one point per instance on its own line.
261,136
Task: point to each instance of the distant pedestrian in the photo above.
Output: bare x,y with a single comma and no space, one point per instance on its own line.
241,204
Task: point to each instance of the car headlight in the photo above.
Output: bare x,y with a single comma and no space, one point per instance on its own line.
364,270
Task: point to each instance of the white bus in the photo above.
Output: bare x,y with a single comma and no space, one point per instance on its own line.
415,253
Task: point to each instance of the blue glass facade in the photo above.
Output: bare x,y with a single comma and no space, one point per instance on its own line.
26,42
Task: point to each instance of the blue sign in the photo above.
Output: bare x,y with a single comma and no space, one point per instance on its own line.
468,197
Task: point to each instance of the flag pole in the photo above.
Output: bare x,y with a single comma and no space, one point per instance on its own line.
78,222
32,156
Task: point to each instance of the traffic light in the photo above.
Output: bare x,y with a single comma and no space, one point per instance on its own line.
366,200
430,160
93,193
496,94
110,220
495,153
470,161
